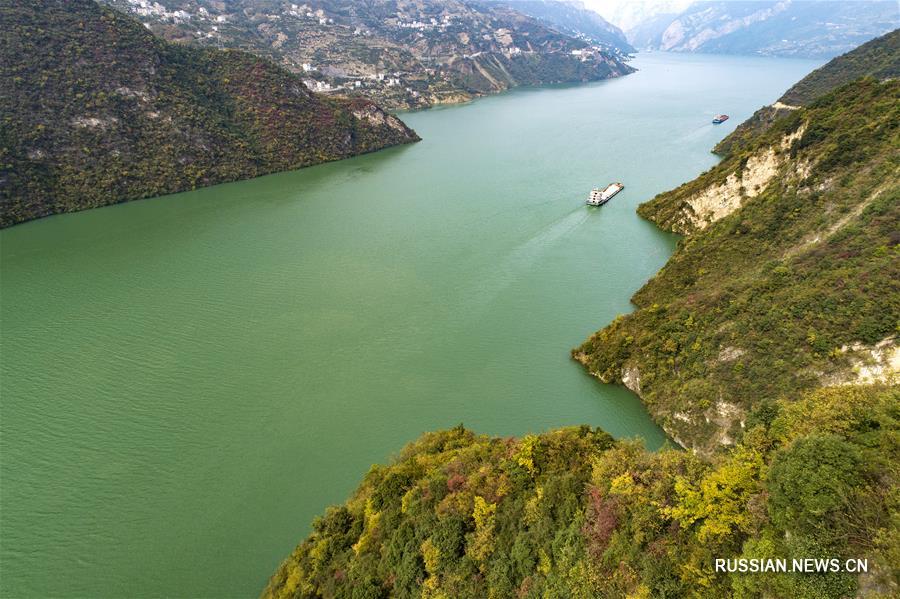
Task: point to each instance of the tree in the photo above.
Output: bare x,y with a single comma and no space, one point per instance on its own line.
811,483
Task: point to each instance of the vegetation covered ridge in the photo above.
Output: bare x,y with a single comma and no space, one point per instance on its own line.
878,58
789,281
573,513
96,110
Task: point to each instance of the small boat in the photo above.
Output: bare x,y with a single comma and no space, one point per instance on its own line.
720,119
599,196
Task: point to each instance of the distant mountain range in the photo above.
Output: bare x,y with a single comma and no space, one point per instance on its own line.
573,18
630,14
402,53
805,28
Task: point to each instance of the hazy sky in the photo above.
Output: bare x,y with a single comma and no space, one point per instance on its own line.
627,13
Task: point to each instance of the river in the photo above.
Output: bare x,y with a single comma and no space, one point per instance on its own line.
187,381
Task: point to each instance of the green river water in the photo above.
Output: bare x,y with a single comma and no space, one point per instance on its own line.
187,381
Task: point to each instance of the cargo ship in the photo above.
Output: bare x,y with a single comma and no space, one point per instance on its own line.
720,119
599,196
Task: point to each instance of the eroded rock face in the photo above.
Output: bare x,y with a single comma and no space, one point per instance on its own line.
878,363
725,415
375,116
729,354
631,378
718,421
86,122
718,201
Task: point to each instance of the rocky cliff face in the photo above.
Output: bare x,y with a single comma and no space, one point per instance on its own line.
707,205
98,111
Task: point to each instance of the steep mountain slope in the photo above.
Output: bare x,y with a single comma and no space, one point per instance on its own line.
645,35
818,29
401,53
791,280
878,58
572,18
98,111
632,14
573,513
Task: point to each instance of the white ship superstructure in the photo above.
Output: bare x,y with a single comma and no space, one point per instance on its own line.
599,196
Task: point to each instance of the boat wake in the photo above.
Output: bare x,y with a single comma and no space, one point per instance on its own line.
520,260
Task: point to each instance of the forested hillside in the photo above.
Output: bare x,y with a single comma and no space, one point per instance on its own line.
96,110
574,514
877,58
789,281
